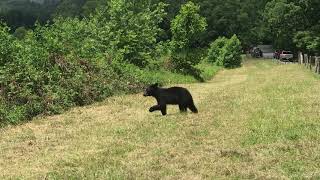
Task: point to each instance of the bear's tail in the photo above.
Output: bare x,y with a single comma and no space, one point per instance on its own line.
193,108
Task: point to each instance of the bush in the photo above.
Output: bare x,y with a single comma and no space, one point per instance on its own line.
225,52
20,32
48,71
231,53
215,50
6,45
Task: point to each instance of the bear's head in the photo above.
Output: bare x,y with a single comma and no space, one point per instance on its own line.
150,91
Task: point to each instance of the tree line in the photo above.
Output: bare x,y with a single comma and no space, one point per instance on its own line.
287,24
224,17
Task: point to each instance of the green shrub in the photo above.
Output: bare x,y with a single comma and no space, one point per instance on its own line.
225,52
215,50
185,63
6,45
20,32
48,71
231,53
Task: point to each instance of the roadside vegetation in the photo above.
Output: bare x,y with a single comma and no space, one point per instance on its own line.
75,62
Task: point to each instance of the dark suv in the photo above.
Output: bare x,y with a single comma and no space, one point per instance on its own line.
256,52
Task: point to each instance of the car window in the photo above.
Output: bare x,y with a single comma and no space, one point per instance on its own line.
286,52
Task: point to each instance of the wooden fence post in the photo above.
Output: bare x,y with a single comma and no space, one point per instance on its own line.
317,64
311,62
305,59
300,57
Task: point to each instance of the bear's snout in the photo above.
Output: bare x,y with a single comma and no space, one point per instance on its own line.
145,93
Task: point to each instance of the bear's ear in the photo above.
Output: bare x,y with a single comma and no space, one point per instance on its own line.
155,85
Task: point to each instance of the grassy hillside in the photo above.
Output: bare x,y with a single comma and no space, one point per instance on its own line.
258,121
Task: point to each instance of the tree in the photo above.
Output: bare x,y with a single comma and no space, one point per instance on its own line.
185,28
308,38
69,8
187,25
308,41
284,20
90,6
130,29
25,13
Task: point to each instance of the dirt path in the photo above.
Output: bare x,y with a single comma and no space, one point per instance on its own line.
258,121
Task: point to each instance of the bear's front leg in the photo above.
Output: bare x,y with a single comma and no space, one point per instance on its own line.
164,110
155,108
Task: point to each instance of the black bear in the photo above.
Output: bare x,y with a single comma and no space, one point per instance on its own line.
173,95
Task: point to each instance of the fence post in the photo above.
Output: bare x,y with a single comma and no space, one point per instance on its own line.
305,59
311,62
317,64
300,57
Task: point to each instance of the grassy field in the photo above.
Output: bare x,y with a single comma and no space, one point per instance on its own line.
258,121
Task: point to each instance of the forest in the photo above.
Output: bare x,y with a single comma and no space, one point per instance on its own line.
58,54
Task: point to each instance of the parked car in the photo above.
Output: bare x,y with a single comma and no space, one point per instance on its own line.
286,55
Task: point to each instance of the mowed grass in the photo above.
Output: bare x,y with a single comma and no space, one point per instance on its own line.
259,121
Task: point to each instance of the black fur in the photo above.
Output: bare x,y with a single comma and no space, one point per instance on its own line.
174,95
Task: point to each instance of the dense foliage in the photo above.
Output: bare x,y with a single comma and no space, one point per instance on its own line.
231,53
43,76
225,52
74,61
215,50
185,28
294,24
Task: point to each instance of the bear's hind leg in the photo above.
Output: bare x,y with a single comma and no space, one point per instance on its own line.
193,108
182,108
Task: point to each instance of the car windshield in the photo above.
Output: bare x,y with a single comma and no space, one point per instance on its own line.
286,52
